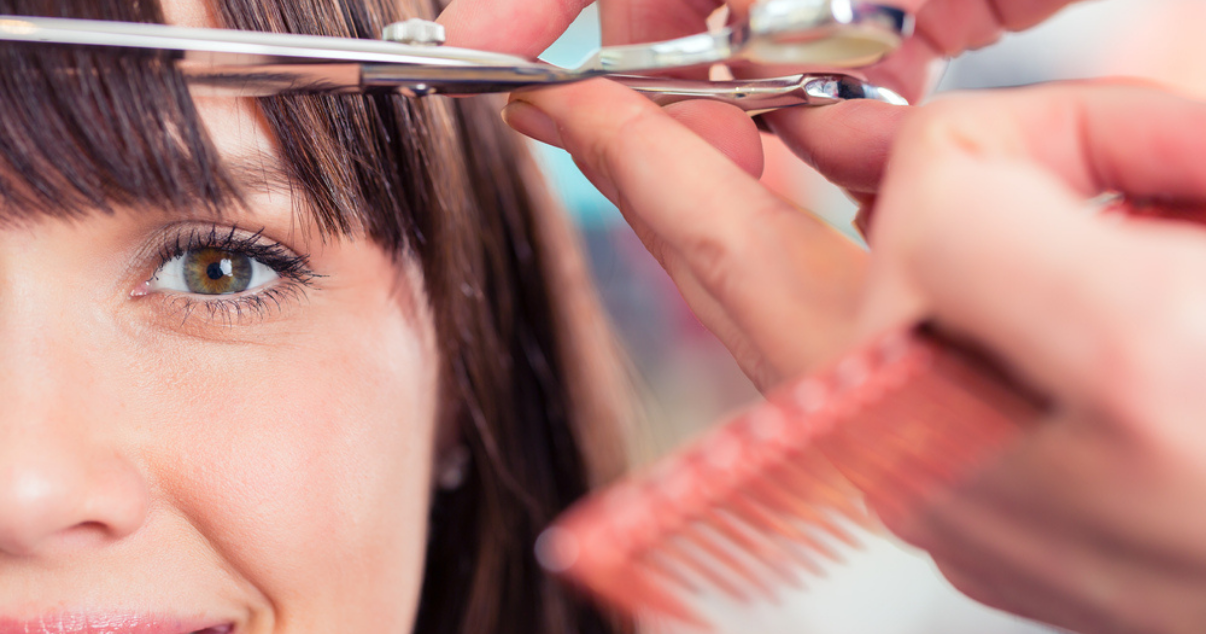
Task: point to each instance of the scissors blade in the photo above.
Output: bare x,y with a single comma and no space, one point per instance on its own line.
216,79
235,46
248,63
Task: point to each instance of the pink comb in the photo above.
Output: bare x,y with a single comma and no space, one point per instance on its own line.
743,509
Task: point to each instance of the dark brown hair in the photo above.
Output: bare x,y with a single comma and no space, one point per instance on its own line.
438,180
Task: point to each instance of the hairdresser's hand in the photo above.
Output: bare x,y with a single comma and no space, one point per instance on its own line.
1095,520
778,286
848,143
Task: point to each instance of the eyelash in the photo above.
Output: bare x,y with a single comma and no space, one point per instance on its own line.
293,270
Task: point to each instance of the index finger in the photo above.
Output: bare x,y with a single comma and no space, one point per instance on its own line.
784,278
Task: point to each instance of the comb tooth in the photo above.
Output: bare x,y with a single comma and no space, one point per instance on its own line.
753,544
695,562
768,522
658,561
768,494
809,479
720,550
816,515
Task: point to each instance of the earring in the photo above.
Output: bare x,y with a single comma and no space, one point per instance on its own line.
453,468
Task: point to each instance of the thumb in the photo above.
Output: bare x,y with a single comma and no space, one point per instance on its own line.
983,224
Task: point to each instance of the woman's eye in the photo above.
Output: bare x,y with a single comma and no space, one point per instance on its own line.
210,271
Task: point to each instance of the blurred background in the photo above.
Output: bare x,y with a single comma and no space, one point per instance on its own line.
689,382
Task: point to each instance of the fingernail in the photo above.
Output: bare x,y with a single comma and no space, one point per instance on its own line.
529,120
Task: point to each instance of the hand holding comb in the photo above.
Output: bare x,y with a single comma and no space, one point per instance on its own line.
897,421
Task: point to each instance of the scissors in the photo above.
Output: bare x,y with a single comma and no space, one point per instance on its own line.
410,58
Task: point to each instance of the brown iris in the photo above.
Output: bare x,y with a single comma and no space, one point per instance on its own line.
216,272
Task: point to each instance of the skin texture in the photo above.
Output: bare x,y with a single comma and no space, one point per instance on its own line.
268,470
980,221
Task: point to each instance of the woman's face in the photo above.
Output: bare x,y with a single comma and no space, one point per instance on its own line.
173,458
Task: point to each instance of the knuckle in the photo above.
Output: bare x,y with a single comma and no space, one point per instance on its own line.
962,123
758,369
713,261
723,255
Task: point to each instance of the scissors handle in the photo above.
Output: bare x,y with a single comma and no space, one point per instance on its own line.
756,96
830,33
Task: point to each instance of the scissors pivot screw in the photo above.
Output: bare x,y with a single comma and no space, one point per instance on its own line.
415,32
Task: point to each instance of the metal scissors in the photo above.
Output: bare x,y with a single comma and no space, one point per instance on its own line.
410,60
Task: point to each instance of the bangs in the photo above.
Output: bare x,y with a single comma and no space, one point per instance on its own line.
86,128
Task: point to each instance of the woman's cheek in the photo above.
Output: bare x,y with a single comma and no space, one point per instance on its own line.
305,467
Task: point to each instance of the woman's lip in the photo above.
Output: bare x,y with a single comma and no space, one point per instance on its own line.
114,624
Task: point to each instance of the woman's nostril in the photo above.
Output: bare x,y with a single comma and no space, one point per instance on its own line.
52,496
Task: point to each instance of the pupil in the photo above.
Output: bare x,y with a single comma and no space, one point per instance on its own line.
214,270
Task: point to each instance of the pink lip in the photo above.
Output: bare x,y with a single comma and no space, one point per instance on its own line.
111,624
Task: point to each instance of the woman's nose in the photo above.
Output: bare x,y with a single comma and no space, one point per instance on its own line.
58,493
66,482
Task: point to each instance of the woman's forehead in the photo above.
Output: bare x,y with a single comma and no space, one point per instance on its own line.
191,13
241,136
